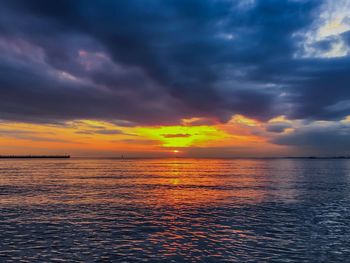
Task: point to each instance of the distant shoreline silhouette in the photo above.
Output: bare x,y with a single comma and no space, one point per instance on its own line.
33,156
122,157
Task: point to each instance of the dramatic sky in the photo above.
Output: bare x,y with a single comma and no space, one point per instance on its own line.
202,78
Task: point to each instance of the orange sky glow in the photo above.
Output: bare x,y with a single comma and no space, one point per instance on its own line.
240,136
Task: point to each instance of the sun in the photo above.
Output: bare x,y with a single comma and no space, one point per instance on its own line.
176,151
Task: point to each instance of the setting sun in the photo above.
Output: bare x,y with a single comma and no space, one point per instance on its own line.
175,131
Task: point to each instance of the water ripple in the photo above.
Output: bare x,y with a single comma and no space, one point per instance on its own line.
174,210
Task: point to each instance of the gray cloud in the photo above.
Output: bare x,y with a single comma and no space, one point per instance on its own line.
278,127
327,139
140,62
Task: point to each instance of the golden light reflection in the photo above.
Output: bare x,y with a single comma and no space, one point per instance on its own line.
193,181
174,181
169,182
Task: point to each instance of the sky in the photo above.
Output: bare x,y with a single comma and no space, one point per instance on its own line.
192,78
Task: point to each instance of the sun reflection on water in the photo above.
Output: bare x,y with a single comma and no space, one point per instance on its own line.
204,210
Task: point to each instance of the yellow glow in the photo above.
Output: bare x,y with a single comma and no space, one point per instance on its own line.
190,121
243,120
98,138
280,118
334,27
346,120
182,136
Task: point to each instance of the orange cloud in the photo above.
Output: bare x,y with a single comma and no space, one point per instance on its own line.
91,137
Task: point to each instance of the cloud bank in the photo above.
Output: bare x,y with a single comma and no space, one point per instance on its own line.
157,62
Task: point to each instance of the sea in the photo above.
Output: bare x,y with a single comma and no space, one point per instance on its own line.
174,210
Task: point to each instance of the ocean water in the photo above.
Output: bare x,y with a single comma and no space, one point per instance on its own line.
174,210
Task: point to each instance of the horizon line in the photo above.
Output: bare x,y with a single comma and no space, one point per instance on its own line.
66,156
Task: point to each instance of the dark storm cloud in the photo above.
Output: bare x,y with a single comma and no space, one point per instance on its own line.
334,136
179,135
323,88
158,61
278,127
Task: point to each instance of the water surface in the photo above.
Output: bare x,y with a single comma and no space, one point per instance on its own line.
174,210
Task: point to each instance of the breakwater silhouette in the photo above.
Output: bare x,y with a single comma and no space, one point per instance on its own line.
34,156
